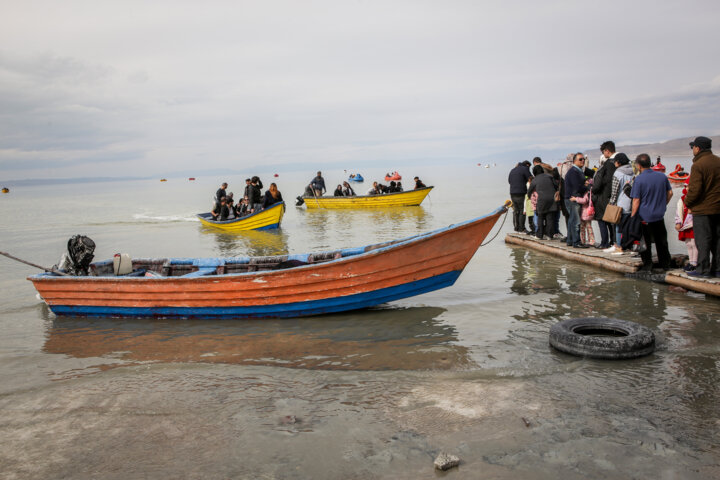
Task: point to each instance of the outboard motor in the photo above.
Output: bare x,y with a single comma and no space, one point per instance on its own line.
78,257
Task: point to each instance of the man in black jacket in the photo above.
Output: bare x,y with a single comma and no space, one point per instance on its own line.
518,179
574,187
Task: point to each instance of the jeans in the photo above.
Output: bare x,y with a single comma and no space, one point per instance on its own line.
707,240
573,228
618,228
518,204
655,232
556,221
607,233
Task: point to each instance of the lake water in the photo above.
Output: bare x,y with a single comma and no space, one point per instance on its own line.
376,393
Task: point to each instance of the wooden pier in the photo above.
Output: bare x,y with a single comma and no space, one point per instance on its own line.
625,263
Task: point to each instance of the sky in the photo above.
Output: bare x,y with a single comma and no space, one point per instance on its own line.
137,88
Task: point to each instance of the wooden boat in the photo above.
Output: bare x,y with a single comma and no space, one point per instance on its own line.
397,199
678,175
262,220
191,179
393,176
247,287
356,177
163,179
5,190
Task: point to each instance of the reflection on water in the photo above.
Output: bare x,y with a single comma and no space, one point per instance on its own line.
339,227
380,339
254,243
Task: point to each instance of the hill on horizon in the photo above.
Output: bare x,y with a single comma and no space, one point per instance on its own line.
678,147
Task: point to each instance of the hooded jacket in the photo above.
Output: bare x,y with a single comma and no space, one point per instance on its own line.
622,176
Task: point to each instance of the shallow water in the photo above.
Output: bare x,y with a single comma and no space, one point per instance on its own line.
375,393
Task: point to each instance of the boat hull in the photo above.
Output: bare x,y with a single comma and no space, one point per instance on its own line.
398,199
262,220
357,278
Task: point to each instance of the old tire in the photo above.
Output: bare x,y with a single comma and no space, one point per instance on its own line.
607,338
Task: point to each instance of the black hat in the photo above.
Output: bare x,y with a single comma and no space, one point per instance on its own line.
703,143
621,159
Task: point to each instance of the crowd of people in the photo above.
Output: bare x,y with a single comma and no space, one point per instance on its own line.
253,200
628,200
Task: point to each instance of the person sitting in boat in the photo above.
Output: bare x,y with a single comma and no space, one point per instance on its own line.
230,205
221,211
272,196
242,208
418,183
393,187
399,187
318,184
375,189
338,191
348,190
255,199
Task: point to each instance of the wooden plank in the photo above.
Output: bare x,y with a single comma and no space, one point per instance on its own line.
709,286
591,256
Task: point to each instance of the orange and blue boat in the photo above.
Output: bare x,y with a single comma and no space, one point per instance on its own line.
271,286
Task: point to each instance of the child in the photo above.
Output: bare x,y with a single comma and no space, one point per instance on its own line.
530,211
684,226
587,214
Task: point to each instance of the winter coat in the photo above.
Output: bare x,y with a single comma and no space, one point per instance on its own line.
622,176
703,196
518,179
545,186
602,188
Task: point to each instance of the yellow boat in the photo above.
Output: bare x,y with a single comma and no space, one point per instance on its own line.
397,199
262,220
6,190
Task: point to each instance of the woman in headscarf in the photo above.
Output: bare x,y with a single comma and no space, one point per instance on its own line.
545,186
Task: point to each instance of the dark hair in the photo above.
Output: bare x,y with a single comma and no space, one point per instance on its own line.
247,179
255,178
608,145
643,160
537,160
526,163
578,153
537,170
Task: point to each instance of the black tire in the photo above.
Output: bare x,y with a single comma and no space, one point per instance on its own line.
607,338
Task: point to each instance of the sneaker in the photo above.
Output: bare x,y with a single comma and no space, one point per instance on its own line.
689,268
557,236
610,249
580,245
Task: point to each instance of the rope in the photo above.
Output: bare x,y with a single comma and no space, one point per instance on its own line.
498,231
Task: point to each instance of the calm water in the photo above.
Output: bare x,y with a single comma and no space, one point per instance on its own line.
375,393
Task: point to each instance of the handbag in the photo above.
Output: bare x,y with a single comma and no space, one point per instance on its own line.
612,214
591,208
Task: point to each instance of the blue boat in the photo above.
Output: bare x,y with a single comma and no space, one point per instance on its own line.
356,177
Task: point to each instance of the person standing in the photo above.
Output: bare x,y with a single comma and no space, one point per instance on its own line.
255,198
545,186
574,187
219,195
651,192
623,176
601,190
518,179
318,184
703,200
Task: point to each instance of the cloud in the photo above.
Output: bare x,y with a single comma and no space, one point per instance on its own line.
153,87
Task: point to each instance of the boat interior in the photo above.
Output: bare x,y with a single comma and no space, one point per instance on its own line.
197,267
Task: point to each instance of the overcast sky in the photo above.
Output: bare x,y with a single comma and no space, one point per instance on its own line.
102,88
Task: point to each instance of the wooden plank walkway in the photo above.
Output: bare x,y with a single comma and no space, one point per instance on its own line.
625,263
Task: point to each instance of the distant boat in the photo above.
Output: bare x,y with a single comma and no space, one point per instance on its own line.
659,167
678,175
191,178
393,176
487,166
262,220
276,175
163,179
398,199
356,177
5,190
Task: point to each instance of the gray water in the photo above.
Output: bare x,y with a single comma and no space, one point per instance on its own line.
376,393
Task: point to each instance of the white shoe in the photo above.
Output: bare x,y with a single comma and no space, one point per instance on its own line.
609,249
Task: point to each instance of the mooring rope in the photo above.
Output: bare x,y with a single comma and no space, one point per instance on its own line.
507,209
